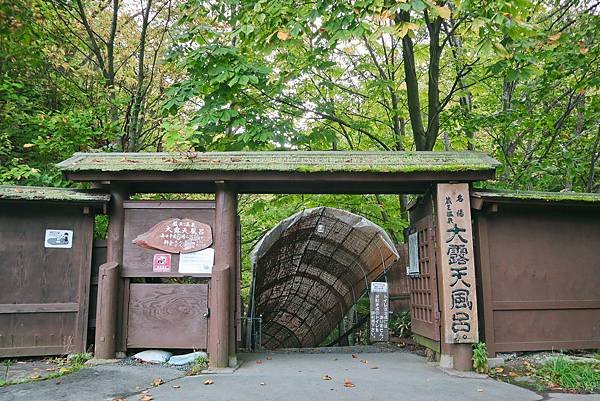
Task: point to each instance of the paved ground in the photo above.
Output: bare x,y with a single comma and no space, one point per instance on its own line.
96,383
399,376
21,370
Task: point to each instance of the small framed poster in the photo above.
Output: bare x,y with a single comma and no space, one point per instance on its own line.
197,262
161,263
57,238
413,255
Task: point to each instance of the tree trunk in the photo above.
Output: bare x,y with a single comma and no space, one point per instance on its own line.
412,86
138,97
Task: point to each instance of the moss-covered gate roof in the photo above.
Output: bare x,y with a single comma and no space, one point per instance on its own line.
537,196
280,172
53,194
284,161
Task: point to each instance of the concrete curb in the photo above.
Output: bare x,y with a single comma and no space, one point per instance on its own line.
463,375
96,362
221,371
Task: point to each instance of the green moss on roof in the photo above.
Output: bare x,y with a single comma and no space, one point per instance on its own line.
287,161
537,195
25,193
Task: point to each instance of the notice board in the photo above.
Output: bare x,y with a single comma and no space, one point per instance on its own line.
158,233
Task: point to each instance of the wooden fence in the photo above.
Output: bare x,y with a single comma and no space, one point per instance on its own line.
538,267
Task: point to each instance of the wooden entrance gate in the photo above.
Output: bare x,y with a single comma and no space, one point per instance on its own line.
423,287
162,309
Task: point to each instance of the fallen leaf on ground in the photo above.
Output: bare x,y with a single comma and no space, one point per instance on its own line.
157,382
499,370
57,382
207,382
364,361
117,399
50,369
258,362
146,397
269,358
326,377
354,356
348,383
64,370
35,377
512,374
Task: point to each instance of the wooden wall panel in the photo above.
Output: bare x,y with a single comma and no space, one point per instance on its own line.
43,291
539,275
168,316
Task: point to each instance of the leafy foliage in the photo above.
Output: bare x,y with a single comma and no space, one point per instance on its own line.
480,357
400,324
571,375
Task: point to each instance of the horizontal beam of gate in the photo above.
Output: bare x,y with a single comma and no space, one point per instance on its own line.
39,308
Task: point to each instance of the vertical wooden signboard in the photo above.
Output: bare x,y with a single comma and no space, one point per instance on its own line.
457,268
379,312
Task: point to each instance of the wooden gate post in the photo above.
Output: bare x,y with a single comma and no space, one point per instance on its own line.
226,253
109,301
106,311
456,275
218,320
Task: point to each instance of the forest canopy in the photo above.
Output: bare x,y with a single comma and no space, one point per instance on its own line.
517,79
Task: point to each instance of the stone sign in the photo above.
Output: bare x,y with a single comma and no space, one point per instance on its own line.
176,236
455,249
380,310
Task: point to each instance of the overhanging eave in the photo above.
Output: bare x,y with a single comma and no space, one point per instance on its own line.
282,182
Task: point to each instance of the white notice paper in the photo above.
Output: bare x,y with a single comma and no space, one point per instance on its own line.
413,255
200,262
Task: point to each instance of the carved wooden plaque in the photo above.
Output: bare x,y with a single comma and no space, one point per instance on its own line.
456,259
176,236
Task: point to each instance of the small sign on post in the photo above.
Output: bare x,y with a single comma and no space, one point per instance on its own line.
379,299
